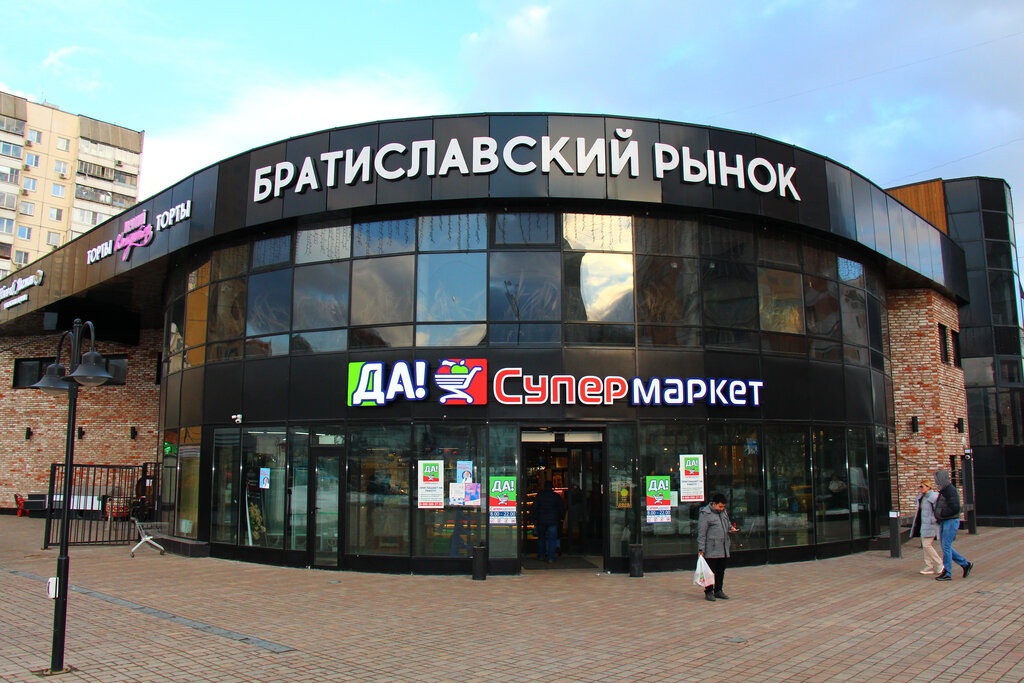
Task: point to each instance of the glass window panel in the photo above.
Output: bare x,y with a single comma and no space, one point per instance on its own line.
599,287
779,250
453,232
169,478
823,349
666,236
734,469
855,315
667,290
732,339
187,513
195,356
832,489
1002,297
384,237
662,335
660,448
503,461
622,522
320,342
1009,370
851,272
597,232
780,299
265,347
321,296
455,529
451,287
855,355
997,227
450,335
274,251
174,340
227,309
523,333
730,294
226,351
965,227
298,484
227,450
819,260
524,286
524,228
196,314
728,243
788,344
199,277
980,371
377,519
323,244
382,290
789,487
229,262
821,307
611,335
270,302
961,195
857,442
264,467
396,336
998,255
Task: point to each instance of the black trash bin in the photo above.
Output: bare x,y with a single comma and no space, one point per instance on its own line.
636,559
479,562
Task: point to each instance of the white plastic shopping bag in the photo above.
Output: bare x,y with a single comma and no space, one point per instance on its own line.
703,576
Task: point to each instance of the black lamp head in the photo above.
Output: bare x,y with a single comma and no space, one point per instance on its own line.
91,373
53,381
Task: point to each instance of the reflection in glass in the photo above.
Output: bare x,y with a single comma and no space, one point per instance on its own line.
851,272
196,313
455,529
227,309
321,296
788,469
524,228
263,487
382,290
1003,298
660,448
666,236
622,522
224,351
453,232
855,315
377,519
199,277
264,347
298,475
451,287
450,335
274,251
227,450
664,335
396,336
783,250
667,290
523,333
187,514
323,341
780,300
857,441
610,335
229,262
733,464
270,302
821,307
525,285
174,325
722,241
323,244
820,260
384,237
503,461
597,232
599,287
730,294
832,490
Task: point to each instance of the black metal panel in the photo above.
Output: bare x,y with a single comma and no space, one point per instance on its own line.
351,141
601,363
811,183
233,194
405,189
310,200
720,365
204,204
506,183
223,395
785,208
317,389
673,189
858,394
454,185
789,377
664,363
532,362
620,133
265,384
270,209
826,397
192,397
590,185
842,216
172,400
727,193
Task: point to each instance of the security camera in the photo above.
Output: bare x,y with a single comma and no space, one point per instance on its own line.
237,417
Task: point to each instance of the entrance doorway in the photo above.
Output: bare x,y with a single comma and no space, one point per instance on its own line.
573,461
324,506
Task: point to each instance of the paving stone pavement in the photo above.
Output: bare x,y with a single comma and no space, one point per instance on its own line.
864,617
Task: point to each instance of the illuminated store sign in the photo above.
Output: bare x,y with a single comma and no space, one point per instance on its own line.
524,155
465,382
15,289
138,232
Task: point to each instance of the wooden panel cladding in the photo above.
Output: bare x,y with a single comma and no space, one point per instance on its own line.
925,198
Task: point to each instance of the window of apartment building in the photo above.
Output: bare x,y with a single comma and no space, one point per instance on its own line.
56,214
955,339
63,144
32,160
9,175
943,343
34,136
58,190
9,149
60,168
92,170
4,273
30,185
123,178
88,217
20,257
5,251
8,200
24,232
12,125
27,208
28,371
7,228
53,238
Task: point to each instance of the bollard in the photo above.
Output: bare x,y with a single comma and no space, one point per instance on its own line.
895,547
479,563
636,559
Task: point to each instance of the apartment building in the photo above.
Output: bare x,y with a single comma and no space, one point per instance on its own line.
61,174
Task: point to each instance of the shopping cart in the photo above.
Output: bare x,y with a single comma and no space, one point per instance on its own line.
146,530
456,385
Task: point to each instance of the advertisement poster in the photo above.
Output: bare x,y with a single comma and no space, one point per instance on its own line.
502,500
691,478
472,495
431,487
622,489
264,477
659,499
456,494
464,471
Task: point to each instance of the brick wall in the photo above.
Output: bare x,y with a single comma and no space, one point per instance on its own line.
106,413
925,387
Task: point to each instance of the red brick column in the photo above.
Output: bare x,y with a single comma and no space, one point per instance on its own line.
925,387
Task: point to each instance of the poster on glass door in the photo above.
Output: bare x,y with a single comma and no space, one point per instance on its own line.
691,478
431,487
502,500
659,499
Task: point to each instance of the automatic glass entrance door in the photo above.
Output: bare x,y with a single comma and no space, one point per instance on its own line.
573,461
324,505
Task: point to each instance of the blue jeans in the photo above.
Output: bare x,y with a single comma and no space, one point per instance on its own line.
547,541
947,533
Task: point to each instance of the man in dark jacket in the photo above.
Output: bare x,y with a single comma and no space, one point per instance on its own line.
713,542
548,511
947,513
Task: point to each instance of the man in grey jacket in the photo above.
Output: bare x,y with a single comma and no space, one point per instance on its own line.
713,542
947,513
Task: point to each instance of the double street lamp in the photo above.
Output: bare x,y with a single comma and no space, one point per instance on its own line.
88,370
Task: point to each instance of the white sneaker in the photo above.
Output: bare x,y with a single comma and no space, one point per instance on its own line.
927,571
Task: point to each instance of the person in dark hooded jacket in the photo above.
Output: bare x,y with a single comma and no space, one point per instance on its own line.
713,542
548,511
947,514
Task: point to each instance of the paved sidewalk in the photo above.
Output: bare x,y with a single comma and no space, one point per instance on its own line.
864,617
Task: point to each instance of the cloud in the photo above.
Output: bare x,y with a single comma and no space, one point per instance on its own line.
55,60
267,112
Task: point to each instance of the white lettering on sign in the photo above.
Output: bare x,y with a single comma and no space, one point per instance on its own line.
17,286
521,154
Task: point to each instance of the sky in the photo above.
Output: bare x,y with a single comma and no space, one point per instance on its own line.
900,92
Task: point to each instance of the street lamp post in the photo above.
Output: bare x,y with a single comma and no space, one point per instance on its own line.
86,369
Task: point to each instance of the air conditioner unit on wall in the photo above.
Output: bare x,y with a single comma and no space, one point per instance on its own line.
64,176
118,163
25,166
28,143
24,191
